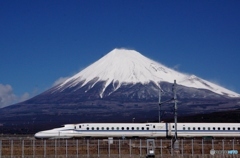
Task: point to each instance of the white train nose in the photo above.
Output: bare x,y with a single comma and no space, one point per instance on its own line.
46,134
38,135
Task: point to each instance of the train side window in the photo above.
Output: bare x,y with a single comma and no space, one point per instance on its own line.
213,128
137,128
172,126
199,128
147,128
183,128
142,128
209,128
92,128
87,128
107,128
193,128
233,128
102,128
223,128
97,128
112,128
79,126
117,128
238,128
203,128
189,128
153,126
127,128
122,128
219,128
132,128
229,128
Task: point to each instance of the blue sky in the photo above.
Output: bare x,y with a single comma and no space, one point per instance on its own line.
43,41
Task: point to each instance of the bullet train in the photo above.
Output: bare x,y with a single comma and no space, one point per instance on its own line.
124,130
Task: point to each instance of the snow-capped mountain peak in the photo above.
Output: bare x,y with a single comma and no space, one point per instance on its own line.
122,66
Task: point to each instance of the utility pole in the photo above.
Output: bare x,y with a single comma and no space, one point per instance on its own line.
159,108
176,143
175,107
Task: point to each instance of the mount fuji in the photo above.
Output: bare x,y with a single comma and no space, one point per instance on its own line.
122,67
120,86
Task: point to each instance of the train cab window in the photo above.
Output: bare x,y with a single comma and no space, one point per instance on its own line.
122,128
112,128
92,128
132,128
102,128
213,128
223,128
127,128
199,128
183,128
142,128
189,128
87,128
233,128
147,128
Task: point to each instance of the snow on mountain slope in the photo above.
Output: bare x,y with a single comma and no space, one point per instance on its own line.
196,82
121,66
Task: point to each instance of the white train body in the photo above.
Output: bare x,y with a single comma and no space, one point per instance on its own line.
141,130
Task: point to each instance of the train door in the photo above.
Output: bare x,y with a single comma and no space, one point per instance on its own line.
149,129
154,130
